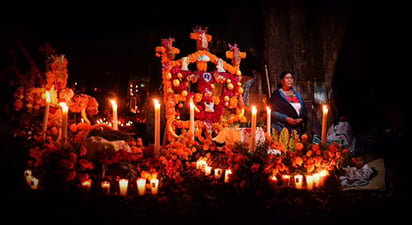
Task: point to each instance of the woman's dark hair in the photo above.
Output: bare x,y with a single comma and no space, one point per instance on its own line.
282,75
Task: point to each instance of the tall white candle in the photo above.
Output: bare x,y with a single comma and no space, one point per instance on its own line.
46,115
268,119
253,129
157,127
123,185
192,119
114,106
324,123
65,111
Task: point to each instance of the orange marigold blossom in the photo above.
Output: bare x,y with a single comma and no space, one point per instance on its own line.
299,146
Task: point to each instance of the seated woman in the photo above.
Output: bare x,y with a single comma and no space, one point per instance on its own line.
288,108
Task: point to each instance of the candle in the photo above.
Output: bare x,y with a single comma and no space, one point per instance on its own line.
268,118
228,172
316,180
46,114
218,173
154,184
324,123
123,183
253,129
35,183
105,187
141,186
192,119
114,106
322,177
87,184
309,182
298,181
157,127
65,110
273,180
208,170
285,180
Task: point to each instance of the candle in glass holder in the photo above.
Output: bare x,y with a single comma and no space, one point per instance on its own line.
253,129
105,187
46,115
316,180
141,186
309,182
268,120
154,184
157,127
114,106
285,180
218,173
208,170
65,111
273,180
192,119
324,123
228,172
123,185
298,181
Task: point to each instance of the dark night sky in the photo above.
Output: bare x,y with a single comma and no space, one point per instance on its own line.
104,41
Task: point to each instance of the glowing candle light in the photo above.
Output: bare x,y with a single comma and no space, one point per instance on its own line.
253,129
123,185
114,106
192,119
228,172
154,184
157,127
105,187
285,180
268,118
273,180
218,173
65,111
316,180
309,182
141,186
46,114
298,181
324,123
208,170
87,184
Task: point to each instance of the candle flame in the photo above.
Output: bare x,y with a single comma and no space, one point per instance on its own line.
325,108
64,106
114,104
254,110
268,108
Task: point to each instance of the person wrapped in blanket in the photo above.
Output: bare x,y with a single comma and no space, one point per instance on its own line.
288,107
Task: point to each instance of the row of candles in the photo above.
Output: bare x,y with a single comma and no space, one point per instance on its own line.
157,121
143,185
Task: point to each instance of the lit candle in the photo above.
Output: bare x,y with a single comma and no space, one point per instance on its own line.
123,184
316,180
324,123
253,129
35,183
65,110
285,180
298,181
87,184
268,118
46,114
105,187
218,173
273,180
154,184
208,170
228,172
114,106
322,177
157,127
141,186
192,119
309,182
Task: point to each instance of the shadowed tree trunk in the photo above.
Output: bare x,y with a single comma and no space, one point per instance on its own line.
304,37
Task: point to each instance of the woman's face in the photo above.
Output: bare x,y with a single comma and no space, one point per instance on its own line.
287,81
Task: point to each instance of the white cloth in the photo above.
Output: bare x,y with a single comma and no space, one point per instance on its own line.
96,144
355,177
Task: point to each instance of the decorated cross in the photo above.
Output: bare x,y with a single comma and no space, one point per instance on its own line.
167,51
202,39
235,54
